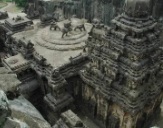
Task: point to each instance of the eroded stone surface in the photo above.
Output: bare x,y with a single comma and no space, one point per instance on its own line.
69,120
4,109
25,111
15,123
8,80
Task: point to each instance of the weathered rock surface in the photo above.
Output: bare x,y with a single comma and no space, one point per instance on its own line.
25,111
69,120
4,110
8,80
15,123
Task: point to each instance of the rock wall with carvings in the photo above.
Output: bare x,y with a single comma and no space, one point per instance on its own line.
105,10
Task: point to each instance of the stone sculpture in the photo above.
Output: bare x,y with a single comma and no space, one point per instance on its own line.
18,18
67,28
80,27
31,12
3,15
46,18
54,26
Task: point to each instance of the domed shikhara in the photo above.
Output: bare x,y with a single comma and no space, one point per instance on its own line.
137,8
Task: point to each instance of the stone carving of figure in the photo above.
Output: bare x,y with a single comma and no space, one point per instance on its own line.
30,10
67,28
41,10
18,18
80,26
54,26
3,15
58,14
55,73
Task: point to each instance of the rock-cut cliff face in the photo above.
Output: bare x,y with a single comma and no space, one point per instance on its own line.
105,10
157,8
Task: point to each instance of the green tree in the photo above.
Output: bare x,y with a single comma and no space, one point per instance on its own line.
21,3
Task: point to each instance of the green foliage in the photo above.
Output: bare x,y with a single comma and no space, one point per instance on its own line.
2,4
20,3
8,0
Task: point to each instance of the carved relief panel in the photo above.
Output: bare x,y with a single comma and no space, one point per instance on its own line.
88,93
116,114
134,57
102,108
89,98
96,63
131,84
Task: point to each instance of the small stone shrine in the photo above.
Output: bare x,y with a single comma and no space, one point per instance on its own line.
17,23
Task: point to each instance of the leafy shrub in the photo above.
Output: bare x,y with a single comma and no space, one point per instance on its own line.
20,3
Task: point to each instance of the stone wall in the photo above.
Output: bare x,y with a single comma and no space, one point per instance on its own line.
110,115
157,10
105,10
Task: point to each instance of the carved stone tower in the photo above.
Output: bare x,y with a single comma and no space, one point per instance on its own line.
122,85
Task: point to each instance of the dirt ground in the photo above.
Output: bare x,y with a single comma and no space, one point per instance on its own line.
12,8
3,4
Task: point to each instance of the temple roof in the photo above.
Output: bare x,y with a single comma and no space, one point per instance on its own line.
16,63
49,44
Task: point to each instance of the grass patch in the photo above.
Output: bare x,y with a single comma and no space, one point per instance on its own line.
13,8
3,4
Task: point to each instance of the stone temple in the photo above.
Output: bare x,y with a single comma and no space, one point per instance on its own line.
123,82
68,65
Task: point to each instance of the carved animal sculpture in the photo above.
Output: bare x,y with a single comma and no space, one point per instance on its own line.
67,28
96,21
18,18
80,27
54,26
46,17
30,10
65,31
56,16
3,15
